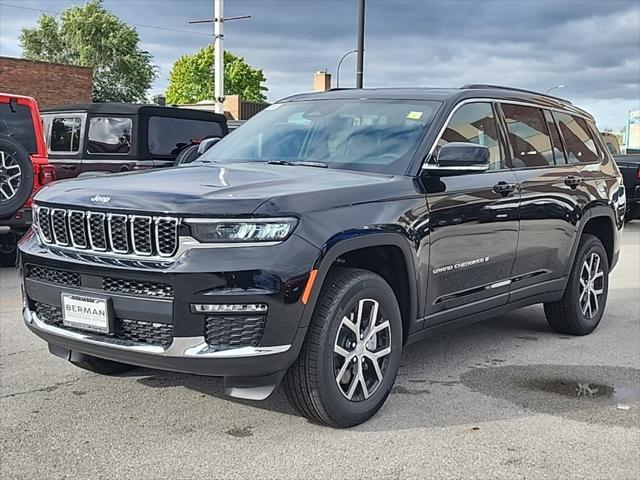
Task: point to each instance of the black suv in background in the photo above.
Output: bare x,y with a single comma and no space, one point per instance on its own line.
325,234
119,137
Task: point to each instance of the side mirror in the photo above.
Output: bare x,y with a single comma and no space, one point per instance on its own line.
459,158
207,143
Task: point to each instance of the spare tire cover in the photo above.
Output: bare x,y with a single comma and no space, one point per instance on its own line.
16,177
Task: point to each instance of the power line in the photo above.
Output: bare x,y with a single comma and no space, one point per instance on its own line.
141,25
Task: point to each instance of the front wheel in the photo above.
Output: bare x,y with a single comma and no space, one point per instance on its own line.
580,309
351,355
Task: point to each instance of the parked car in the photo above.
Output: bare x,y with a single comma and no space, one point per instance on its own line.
23,169
325,234
611,141
119,137
630,167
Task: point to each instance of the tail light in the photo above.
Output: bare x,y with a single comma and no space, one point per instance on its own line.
47,174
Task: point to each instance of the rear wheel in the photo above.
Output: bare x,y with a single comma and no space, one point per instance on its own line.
351,355
16,177
103,366
580,309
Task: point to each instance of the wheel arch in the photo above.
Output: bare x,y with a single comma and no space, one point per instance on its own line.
352,251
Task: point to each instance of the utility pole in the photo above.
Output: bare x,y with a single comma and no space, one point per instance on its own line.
218,51
360,48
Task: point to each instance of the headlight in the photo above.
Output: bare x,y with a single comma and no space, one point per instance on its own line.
241,230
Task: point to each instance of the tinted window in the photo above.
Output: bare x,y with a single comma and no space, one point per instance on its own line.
353,134
168,136
578,140
475,123
65,134
18,126
528,136
558,151
109,135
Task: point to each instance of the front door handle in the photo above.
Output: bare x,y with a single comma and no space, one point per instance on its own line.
504,188
572,181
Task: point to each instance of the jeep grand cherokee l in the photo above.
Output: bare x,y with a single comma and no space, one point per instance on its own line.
325,234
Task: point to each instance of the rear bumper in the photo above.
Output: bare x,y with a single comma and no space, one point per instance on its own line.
19,221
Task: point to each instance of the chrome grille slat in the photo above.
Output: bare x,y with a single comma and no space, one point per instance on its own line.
77,228
59,226
97,233
113,233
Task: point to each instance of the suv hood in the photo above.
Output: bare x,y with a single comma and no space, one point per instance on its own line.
211,189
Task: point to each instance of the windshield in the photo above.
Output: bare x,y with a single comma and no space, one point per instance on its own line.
359,134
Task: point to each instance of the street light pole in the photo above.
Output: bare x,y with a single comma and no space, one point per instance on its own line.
360,49
554,87
218,52
340,64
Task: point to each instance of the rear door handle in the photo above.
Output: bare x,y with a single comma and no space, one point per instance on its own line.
572,181
68,167
504,188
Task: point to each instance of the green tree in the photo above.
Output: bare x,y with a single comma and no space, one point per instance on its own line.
191,78
91,36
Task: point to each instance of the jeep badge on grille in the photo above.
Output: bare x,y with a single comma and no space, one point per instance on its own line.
100,199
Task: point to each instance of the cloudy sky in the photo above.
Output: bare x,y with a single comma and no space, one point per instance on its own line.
593,47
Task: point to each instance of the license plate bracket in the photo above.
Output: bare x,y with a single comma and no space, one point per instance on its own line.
87,313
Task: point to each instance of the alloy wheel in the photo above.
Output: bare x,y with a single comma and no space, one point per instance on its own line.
591,285
361,351
10,173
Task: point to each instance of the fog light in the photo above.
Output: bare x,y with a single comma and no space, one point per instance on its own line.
229,308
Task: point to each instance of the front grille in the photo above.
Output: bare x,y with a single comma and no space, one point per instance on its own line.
108,232
53,275
160,334
145,332
135,287
233,331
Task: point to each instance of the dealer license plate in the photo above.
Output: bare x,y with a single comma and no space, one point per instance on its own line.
86,313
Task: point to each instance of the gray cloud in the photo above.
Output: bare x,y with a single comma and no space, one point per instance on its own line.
592,47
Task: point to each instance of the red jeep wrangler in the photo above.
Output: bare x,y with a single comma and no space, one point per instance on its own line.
24,169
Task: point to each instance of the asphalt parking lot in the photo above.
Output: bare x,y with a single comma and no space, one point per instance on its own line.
499,399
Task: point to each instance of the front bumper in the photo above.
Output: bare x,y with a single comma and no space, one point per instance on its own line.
273,275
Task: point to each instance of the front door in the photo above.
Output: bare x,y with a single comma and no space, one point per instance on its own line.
473,224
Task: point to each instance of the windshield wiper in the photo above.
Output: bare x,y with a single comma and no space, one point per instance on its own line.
299,164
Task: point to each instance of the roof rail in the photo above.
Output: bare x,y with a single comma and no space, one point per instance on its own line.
501,87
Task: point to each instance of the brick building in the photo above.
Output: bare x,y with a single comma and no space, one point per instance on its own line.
49,83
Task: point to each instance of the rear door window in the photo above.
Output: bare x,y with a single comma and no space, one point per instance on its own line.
65,134
578,139
475,123
109,135
17,124
528,136
168,136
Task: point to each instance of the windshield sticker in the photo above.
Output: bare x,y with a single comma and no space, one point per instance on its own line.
414,115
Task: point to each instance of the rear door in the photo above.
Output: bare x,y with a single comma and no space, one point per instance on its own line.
551,200
64,133
473,224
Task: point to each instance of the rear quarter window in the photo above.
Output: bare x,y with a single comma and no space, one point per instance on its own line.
17,124
579,143
169,136
109,135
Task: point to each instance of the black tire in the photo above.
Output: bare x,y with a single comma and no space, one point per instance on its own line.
103,366
310,383
8,251
13,153
566,315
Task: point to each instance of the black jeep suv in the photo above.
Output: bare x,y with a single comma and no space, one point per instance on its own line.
324,235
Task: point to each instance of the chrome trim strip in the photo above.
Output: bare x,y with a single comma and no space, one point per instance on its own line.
181,347
240,219
102,216
132,221
84,223
53,228
437,168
